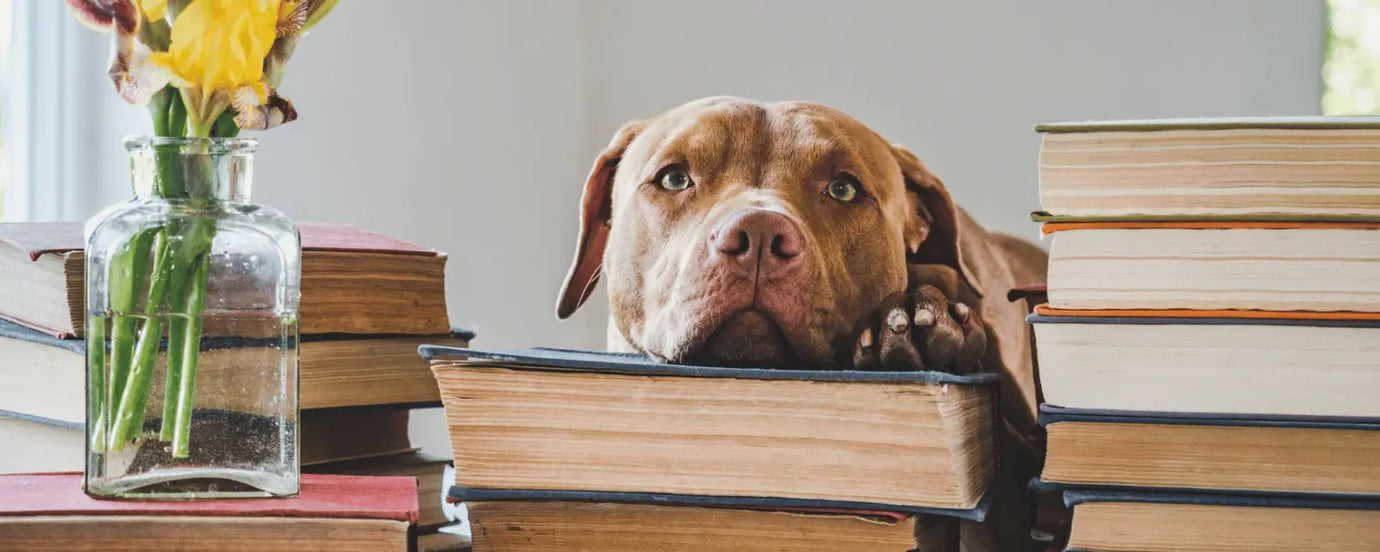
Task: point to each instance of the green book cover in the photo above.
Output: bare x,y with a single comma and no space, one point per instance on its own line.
1139,125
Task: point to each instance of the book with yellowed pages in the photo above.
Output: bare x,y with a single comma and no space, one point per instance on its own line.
1271,167
561,423
1225,264
522,526
353,281
331,435
426,469
444,541
45,376
1239,455
43,512
1154,522
1210,362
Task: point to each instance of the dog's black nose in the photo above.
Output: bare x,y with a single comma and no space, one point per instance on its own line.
758,241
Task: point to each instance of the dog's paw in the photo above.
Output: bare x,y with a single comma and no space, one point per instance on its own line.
920,330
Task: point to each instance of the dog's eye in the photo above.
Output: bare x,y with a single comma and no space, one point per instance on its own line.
842,188
675,178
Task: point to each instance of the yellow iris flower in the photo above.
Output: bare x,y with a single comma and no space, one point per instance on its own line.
217,50
218,53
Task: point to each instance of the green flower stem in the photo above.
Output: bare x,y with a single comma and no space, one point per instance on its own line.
186,304
191,345
177,115
158,108
177,342
186,299
225,126
126,280
129,417
96,384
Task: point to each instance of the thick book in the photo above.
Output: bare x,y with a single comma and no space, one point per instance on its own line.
523,526
446,540
425,468
45,376
327,436
1154,522
1293,166
567,422
1248,265
1215,454
1210,362
353,281
42,512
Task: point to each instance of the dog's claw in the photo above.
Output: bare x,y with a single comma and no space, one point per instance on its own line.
941,335
962,312
896,321
924,317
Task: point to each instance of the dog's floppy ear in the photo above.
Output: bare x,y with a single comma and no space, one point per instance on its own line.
595,214
932,230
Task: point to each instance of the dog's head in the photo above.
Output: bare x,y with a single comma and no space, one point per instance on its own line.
739,233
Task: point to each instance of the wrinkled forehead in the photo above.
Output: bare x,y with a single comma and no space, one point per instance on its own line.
718,134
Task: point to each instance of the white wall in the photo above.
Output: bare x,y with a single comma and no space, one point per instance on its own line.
469,126
962,83
456,125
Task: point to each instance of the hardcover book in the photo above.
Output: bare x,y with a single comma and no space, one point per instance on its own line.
353,281
1252,265
426,469
42,512
519,526
1288,166
331,435
1216,454
45,376
1212,362
1153,522
557,424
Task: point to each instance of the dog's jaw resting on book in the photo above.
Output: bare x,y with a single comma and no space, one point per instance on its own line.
737,233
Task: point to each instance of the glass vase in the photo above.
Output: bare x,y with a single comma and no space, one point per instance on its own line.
191,331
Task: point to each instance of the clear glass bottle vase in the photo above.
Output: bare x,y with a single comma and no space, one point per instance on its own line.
191,331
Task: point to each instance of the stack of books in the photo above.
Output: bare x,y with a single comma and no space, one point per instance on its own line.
368,301
1210,354
42,512
572,450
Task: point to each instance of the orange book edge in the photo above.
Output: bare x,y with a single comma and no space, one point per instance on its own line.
1046,310
1052,227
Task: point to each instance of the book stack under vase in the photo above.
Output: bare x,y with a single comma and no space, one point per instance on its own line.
368,301
1210,354
572,450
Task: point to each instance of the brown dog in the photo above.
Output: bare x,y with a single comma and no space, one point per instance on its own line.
732,232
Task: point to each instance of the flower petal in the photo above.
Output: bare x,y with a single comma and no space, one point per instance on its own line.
275,111
105,15
292,15
136,77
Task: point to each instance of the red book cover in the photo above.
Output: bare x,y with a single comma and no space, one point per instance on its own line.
322,496
37,238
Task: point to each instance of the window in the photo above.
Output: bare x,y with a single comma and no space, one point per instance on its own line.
4,85
57,114
1351,68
